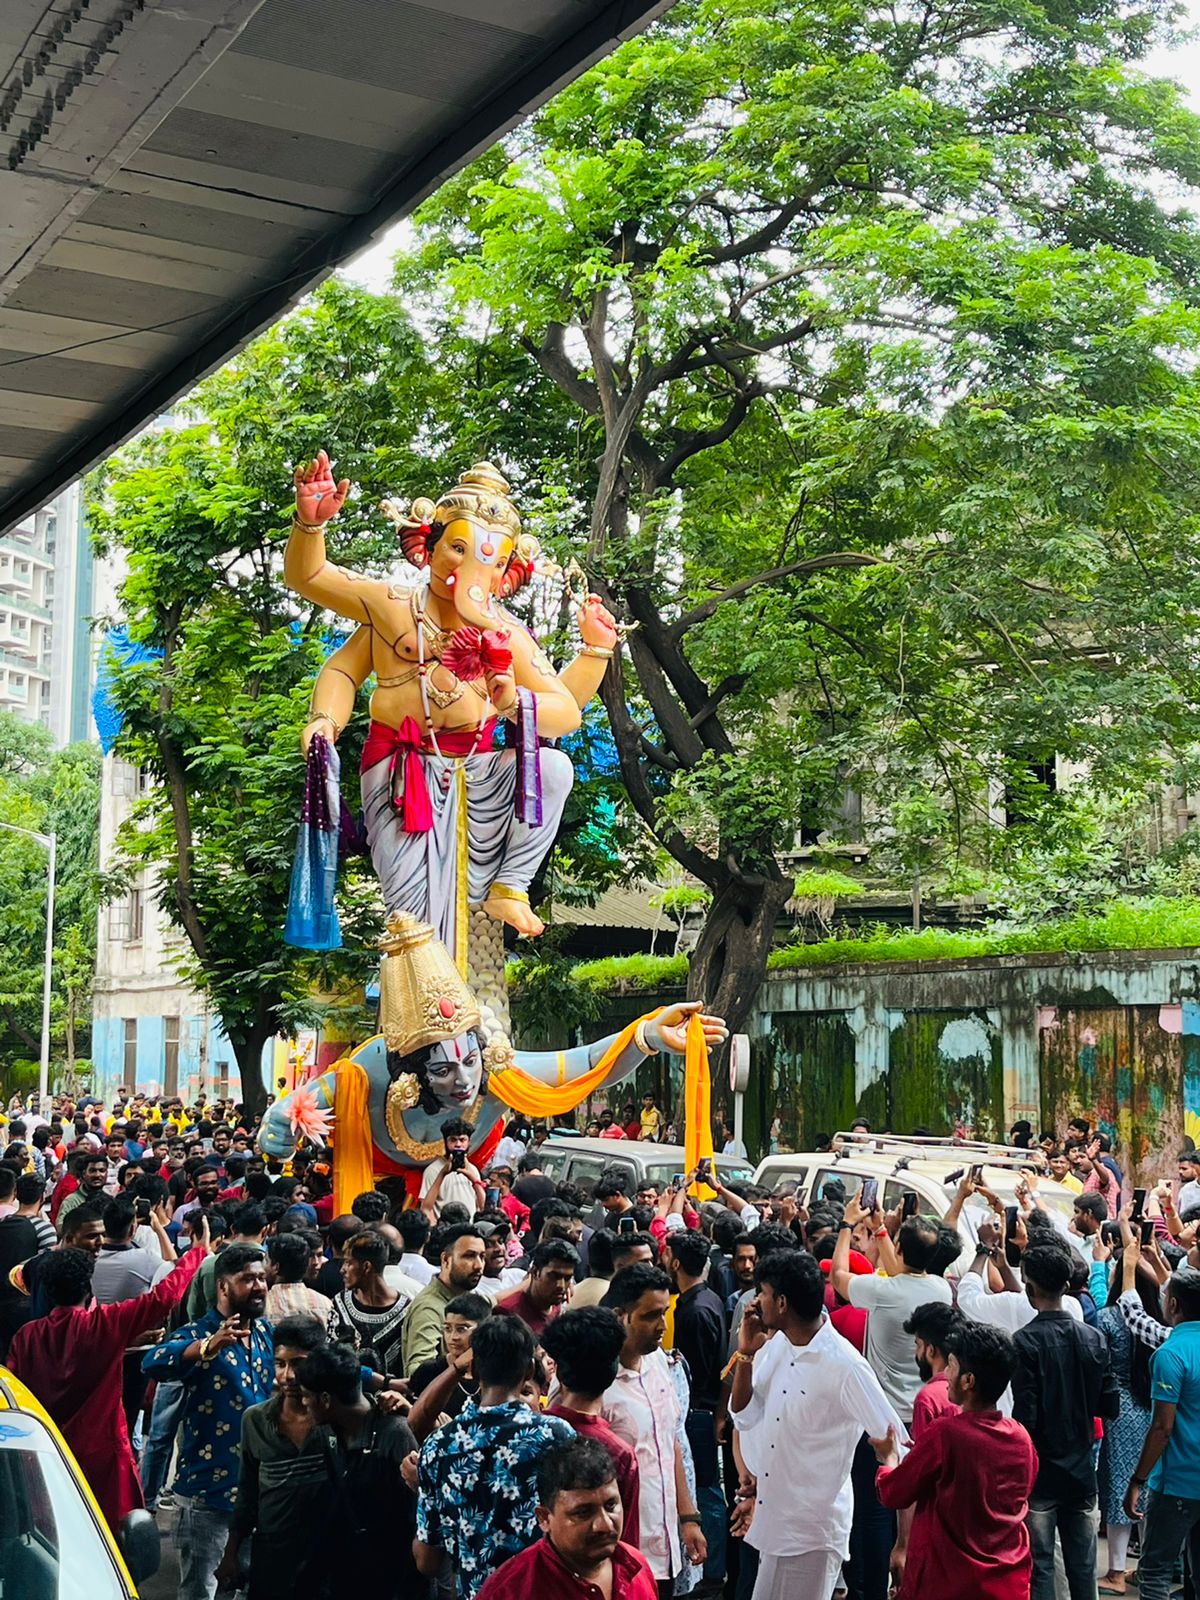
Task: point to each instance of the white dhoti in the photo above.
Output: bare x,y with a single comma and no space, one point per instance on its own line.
476,840
811,1576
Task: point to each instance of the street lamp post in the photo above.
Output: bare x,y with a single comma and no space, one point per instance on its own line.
50,843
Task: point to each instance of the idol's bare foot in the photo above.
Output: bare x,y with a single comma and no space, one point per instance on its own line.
519,914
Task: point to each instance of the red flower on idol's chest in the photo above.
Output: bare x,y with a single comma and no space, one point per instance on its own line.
474,652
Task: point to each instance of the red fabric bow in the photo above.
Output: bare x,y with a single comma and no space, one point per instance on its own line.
389,744
474,652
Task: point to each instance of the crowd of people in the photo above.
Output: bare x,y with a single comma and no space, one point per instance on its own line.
471,1391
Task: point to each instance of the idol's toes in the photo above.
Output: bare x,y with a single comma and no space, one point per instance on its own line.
518,915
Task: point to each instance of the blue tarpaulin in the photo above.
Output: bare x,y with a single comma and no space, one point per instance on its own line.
117,652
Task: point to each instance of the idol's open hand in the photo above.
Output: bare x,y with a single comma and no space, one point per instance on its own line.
668,1031
597,625
318,497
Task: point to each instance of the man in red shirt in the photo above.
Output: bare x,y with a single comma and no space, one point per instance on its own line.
552,1269
969,1478
502,1178
585,1346
933,1328
581,1553
72,1360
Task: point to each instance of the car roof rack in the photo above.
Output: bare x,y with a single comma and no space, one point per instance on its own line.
931,1147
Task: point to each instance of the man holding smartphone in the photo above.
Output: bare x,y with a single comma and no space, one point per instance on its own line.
452,1176
889,1302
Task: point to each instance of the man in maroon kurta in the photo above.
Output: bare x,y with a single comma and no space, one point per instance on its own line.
969,1477
580,1555
72,1358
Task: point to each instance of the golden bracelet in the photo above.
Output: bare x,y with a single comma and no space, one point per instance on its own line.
601,652
307,527
323,716
639,1039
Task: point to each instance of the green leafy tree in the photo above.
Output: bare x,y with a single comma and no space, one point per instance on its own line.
57,792
876,337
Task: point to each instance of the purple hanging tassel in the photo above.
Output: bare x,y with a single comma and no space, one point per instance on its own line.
529,761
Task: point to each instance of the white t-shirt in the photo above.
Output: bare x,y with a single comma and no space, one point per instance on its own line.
455,1186
889,1302
417,1267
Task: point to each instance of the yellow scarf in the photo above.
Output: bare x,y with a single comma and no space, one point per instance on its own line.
532,1098
354,1156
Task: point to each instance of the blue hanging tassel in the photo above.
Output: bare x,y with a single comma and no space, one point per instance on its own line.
312,919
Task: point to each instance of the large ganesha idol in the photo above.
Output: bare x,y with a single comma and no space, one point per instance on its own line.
457,826
432,1062
453,822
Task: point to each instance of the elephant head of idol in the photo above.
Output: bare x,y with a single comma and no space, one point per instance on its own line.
471,543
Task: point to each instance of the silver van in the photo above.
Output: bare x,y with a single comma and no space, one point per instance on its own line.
581,1161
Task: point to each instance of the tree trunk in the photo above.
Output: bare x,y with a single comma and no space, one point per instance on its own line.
247,1050
730,959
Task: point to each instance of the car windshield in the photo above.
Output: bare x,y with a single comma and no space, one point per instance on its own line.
660,1174
50,1547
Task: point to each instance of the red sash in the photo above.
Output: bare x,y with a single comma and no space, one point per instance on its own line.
389,744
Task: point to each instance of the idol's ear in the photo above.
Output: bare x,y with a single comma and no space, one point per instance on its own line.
414,529
516,575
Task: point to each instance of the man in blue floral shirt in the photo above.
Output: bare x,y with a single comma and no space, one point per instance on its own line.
226,1363
477,1475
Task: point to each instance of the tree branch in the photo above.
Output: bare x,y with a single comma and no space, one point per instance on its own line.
628,736
31,1042
840,558
730,685
709,438
552,357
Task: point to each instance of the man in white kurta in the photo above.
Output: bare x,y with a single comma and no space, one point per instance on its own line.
802,1399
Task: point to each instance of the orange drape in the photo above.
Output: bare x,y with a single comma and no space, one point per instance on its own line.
353,1152
532,1098
697,1101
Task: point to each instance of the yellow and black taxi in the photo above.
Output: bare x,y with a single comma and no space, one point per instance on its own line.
54,1541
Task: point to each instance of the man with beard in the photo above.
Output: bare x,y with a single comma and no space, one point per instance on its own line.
579,1513
207,1189
225,1361
933,1328
93,1176
462,1253
969,1480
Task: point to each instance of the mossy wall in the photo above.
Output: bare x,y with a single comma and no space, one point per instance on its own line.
968,1045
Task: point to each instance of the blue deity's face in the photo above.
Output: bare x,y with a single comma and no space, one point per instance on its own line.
455,1072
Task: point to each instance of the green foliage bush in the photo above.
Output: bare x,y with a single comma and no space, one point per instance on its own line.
1152,923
